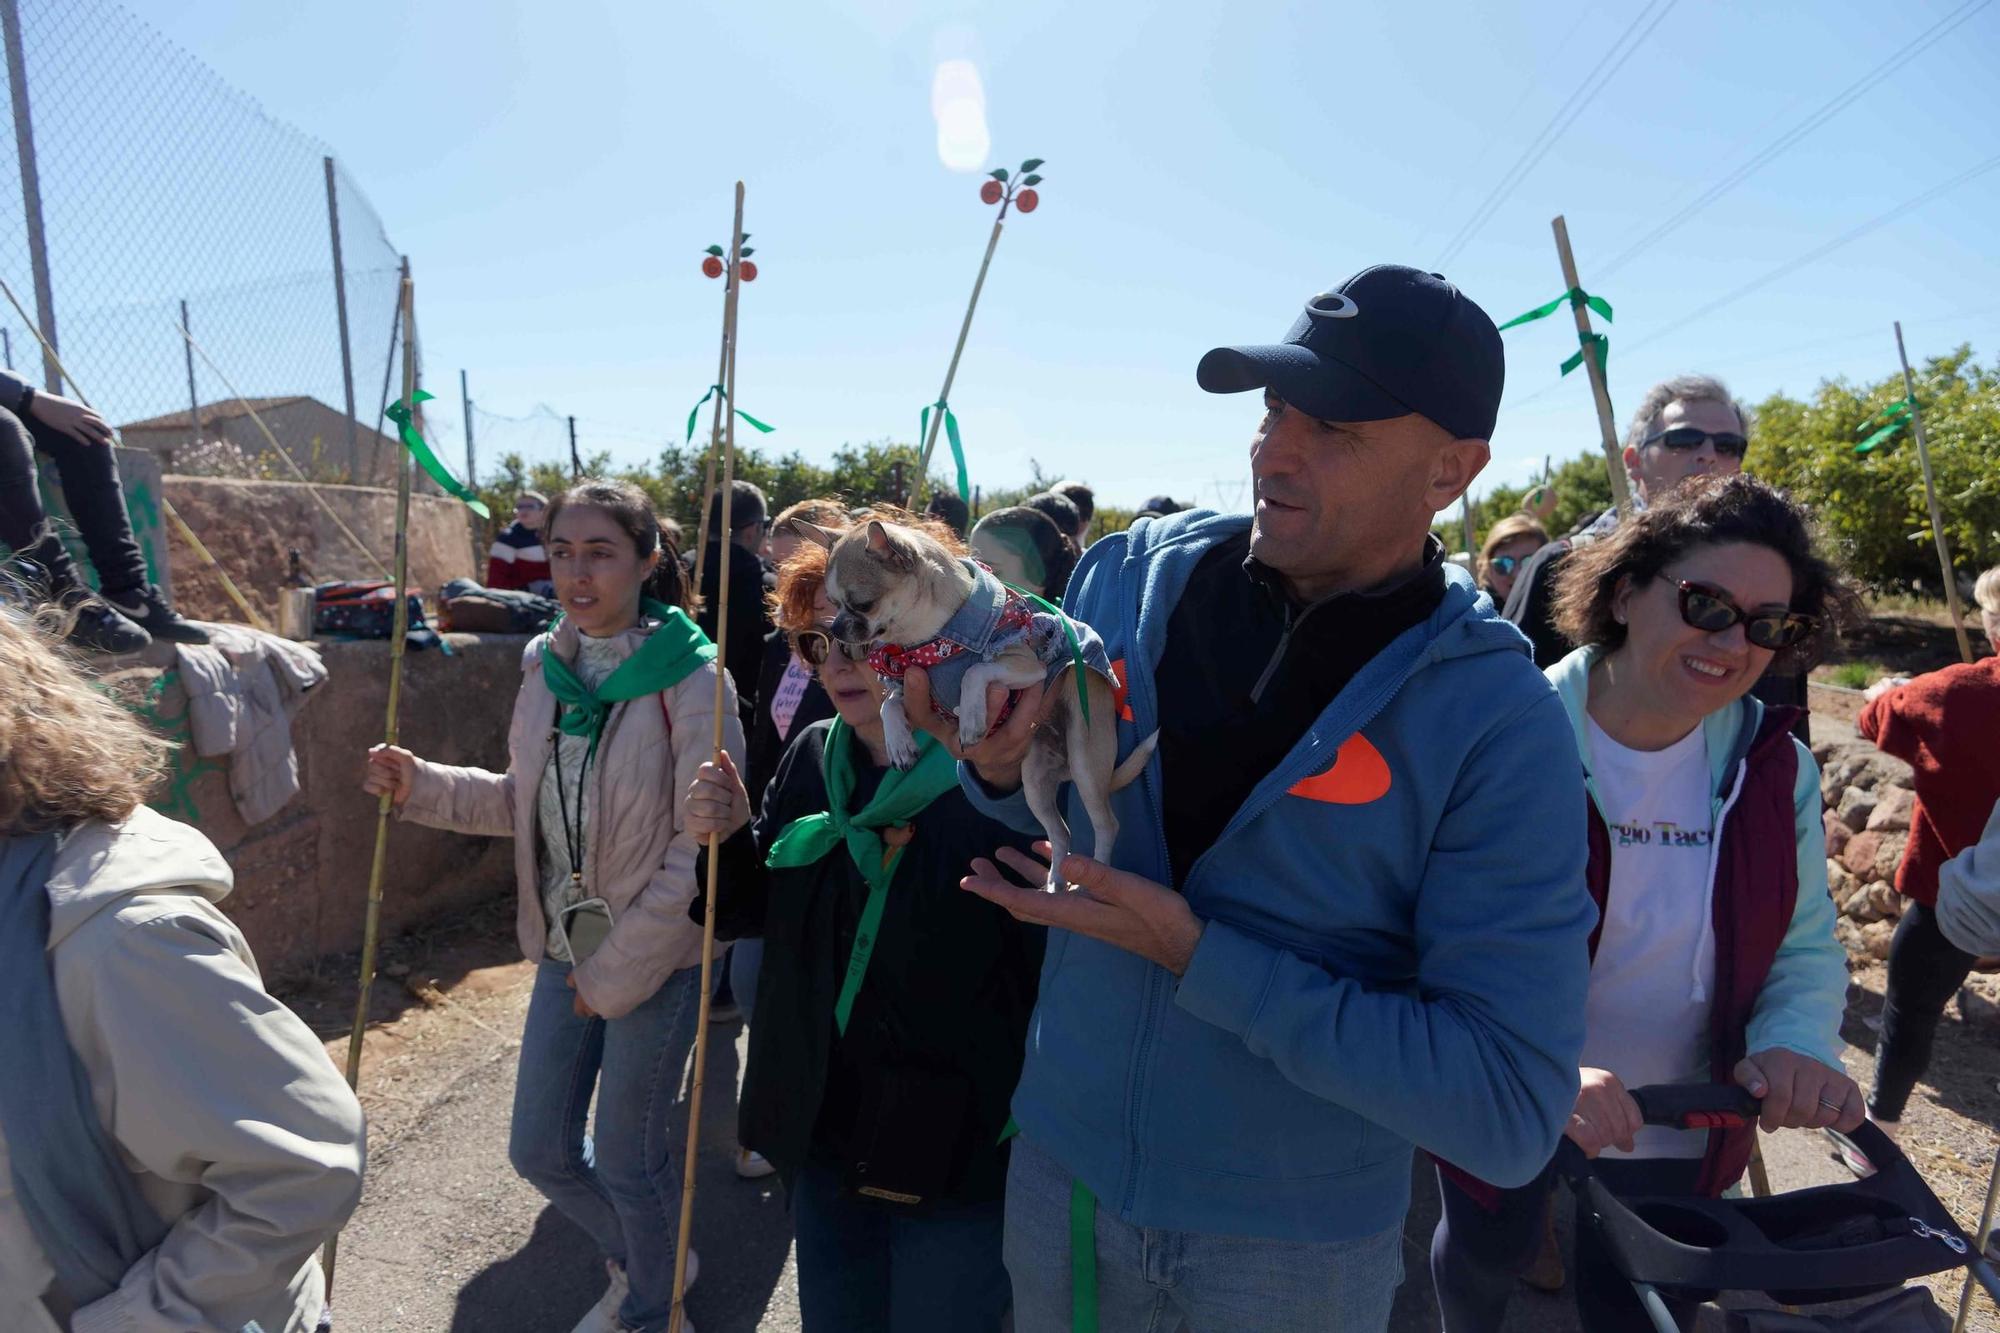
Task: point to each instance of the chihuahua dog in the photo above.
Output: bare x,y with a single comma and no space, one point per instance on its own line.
918,605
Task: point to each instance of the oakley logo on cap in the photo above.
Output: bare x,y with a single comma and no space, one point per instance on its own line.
1332,305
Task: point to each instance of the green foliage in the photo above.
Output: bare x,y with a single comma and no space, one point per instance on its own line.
1871,506
1856,675
1583,491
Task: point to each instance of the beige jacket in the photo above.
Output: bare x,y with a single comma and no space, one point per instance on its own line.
637,858
222,1103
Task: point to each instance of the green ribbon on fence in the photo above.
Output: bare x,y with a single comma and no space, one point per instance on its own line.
957,445
1591,341
1575,296
713,390
1897,414
400,413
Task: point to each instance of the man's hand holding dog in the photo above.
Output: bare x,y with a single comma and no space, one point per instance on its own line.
997,759
1122,909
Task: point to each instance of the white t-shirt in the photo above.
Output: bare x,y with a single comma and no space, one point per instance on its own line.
1652,983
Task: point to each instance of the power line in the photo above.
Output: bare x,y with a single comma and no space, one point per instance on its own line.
1792,266
1827,111
1574,106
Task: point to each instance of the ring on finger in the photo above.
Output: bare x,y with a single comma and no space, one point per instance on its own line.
1830,1105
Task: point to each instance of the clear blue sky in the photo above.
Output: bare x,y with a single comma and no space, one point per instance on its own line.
554,171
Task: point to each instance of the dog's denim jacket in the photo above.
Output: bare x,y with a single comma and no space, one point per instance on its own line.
993,619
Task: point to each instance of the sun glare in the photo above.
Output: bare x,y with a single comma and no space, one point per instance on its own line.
958,104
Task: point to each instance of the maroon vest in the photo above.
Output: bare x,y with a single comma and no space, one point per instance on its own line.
1756,890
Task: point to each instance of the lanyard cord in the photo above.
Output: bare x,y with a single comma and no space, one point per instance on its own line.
573,840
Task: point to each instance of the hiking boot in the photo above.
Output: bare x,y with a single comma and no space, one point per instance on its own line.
146,608
100,628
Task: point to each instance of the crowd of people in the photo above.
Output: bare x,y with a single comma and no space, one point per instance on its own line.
1427,858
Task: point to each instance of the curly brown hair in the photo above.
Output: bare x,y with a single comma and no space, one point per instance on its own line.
69,752
1706,511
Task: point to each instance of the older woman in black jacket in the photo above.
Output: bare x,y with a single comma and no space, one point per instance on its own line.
891,1008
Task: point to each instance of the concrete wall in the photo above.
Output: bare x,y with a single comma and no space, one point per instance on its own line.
250,525
302,876
139,476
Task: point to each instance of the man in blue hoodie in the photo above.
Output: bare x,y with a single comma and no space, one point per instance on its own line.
1349,913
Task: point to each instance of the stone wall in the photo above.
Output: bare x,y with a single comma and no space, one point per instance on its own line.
249,526
1868,798
302,876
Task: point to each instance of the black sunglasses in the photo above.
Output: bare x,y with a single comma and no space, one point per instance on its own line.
1680,439
816,645
1507,564
1711,610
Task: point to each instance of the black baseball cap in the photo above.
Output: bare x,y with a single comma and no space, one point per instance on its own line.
1389,341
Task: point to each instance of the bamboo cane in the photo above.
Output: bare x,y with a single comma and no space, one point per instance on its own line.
385,804
166,505
312,488
1930,497
714,443
951,370
1979,1244
679,1314
1614,455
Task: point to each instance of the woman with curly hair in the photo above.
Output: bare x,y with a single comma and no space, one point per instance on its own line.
174,1144
1714,958
892,1005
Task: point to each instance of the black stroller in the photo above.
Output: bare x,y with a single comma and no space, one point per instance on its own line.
1812,1246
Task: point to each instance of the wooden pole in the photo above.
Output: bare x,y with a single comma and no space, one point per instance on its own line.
679,1314
1979,1244
575,463
1614,453
385,804
312,489
951,371
714,438
166,506
1930,497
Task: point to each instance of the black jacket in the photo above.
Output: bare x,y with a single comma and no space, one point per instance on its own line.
765,745
912,1100
749,618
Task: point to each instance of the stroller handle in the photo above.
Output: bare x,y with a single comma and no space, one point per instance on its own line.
1696,1105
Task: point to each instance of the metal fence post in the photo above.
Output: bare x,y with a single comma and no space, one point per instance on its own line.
31,190
340,305
194,400
465,397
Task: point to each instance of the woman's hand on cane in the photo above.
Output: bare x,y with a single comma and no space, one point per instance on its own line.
717,802
392,772
1799,1092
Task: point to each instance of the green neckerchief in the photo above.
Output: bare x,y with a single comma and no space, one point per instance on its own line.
662,660
897,801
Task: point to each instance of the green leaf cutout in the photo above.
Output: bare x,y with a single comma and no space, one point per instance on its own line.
746,252
1031,164
1031,180
999,174
715,250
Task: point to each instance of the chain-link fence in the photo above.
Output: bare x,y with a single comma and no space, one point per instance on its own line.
159,189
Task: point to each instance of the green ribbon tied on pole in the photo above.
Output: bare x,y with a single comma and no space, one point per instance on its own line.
401,413
1597,342
713,390
1896,414
951,436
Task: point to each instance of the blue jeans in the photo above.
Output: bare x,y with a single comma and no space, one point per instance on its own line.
866,1267
622,1184
1149,1280
746,961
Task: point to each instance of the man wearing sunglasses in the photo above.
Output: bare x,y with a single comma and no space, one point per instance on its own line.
1688,426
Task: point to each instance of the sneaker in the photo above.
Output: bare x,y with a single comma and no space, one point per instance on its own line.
145,607
752,1166
603,1316
100,628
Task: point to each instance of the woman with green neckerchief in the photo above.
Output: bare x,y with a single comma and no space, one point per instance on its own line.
892,1005
614,718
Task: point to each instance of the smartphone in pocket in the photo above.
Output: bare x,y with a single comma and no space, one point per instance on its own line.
585,925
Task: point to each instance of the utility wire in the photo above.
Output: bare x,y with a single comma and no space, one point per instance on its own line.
1792,266
1839,102
1573,107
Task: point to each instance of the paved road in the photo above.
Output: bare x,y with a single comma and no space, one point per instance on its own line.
449,1239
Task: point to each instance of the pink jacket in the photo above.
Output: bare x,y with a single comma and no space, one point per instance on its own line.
638,859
